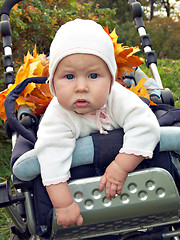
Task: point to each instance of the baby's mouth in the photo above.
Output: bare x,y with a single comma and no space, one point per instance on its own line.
81,103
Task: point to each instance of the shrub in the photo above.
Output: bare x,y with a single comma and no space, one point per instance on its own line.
164,33
165,36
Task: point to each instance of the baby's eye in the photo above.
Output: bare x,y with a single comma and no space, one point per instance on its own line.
93,75
69,76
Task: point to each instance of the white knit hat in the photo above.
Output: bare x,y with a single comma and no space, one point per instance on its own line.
81,36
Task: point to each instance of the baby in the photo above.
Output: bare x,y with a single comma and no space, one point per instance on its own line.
87,99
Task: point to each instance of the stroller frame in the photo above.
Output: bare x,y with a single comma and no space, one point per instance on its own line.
149,197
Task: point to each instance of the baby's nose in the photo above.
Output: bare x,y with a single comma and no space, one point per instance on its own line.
81,85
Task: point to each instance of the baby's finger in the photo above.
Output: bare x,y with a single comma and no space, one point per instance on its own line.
79,221
64,226
113,190
108,189
119,189
102,183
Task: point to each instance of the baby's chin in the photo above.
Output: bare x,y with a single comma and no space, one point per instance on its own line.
83,111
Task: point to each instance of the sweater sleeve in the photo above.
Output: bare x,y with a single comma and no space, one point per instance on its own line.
55,145
141,128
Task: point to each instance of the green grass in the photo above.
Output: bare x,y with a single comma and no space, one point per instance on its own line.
170,74
4,225
5,173
5,153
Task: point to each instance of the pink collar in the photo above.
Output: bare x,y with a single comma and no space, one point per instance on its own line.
99,115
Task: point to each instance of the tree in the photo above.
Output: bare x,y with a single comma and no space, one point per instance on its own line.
123,12
158,6
165,36
152,9
166,5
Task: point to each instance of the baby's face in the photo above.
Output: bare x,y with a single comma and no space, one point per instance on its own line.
82,83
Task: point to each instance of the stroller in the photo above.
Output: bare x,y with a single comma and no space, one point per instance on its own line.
149,206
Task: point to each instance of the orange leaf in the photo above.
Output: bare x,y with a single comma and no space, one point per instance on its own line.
106,29
35,100
34,65
38,71
35,52
28,89
39,94
124,55
40,109
114,36
141,90
137,88
45,89
2,111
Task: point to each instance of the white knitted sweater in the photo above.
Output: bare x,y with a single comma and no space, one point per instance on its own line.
60,128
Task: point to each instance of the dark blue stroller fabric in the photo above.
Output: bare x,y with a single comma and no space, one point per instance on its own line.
12,121
167,115
22,145
104,154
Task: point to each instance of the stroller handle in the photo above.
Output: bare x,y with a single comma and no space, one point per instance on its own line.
5,31
150,55
7,5
12,121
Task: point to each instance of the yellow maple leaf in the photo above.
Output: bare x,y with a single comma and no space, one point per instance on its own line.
114,36
141,90
34,95
126,61
124,56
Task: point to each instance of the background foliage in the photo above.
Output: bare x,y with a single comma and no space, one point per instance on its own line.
164,33
35,21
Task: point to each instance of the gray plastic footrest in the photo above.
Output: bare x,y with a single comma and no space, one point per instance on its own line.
149,198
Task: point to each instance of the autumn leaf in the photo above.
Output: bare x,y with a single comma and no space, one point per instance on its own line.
36,96
141,90
44,88
124,56
3,95
15,7
126,61
106,29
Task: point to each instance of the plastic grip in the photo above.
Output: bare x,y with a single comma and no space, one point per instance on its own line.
7,5
146,41
136,9
150,57
5,28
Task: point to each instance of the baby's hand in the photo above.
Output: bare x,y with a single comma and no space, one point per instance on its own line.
113,178
69,216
